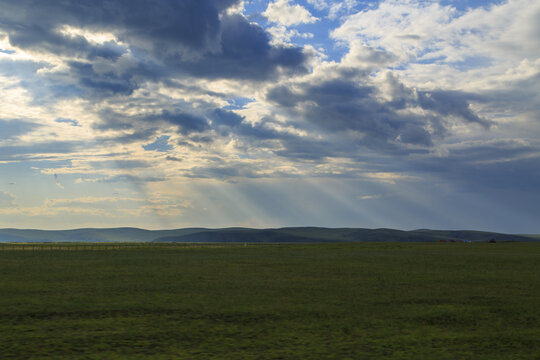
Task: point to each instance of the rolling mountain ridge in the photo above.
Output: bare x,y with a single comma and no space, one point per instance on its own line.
281,235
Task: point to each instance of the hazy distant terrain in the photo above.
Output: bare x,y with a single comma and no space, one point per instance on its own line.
282,235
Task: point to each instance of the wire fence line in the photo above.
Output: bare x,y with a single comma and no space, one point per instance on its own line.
111,246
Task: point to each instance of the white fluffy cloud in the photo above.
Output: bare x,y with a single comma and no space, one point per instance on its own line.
495,40
282,34
283,12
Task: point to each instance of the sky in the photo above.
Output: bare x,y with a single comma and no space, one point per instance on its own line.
178,113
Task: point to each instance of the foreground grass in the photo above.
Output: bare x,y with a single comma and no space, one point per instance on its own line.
326,301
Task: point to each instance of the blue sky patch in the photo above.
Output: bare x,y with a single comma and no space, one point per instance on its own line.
67,121
161,144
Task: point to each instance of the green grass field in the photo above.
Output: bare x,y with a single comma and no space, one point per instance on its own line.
320,301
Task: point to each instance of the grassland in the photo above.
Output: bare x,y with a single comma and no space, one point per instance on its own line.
310,301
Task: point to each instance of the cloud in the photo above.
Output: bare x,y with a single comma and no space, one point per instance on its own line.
246,53
225,117
451,103
37,151
281,34
57,181
6,200
369,197
132,128
100,207
151,39
369,58
175,24
520,96
282,12
403,29
173,158
186,123
164,96
355,107
237,170
87,200
129,179
223,172
101,85
120,164
429,33
14,128
484,165
230,123
317,150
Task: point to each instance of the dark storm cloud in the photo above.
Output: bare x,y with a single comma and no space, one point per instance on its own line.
173,158
226,122
109,50
144,128
44,36
163,24
201,139
453,103
225,117
246,53
101,85
261,132
184,36
197,128
304,148
186,123
285,144
342,105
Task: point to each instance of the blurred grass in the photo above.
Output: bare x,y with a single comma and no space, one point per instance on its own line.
316,301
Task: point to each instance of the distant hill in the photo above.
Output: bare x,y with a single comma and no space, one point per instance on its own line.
282,235
315,234
534,236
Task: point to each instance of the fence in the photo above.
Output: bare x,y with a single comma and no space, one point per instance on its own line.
109,246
